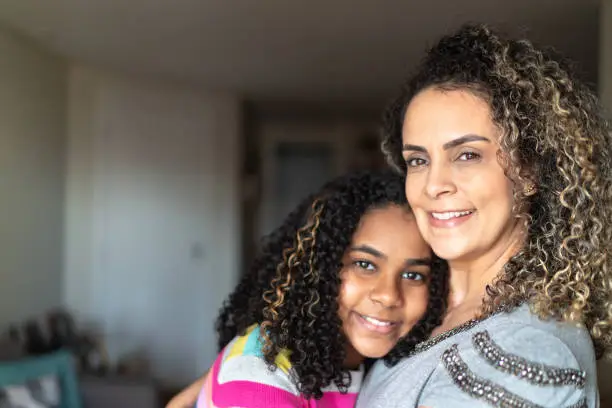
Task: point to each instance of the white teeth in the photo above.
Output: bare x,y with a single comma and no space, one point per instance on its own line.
375,321
449,215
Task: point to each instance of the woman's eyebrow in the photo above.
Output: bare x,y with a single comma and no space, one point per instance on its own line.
448,145
464,139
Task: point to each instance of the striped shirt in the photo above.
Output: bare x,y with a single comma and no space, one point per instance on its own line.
241,378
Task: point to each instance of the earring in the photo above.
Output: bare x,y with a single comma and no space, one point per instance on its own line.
530,189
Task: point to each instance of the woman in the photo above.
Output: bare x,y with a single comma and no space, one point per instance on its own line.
347,277
507,160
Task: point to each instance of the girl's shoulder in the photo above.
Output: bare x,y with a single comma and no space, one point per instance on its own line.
240,376
249,347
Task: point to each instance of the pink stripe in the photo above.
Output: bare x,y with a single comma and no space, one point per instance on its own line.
334,400
245,394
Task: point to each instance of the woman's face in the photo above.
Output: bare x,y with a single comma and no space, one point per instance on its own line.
457,188
384,276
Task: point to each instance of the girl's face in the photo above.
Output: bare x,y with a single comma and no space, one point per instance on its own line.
460,195
385,274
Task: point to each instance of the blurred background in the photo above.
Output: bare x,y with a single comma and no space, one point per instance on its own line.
146,145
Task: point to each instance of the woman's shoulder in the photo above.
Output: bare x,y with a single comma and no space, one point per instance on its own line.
509,359
524,331
517,356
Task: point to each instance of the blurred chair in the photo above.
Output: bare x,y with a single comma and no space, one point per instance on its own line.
48,380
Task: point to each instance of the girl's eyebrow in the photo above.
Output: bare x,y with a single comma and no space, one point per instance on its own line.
376,253
418,262
369,250
413,148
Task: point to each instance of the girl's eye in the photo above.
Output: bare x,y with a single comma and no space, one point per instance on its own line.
368,266
415,162
468,156
414,276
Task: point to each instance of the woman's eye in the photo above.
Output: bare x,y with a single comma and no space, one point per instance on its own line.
365,265
414,276
415,162
468,156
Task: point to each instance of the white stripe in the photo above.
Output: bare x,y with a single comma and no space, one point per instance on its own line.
255,369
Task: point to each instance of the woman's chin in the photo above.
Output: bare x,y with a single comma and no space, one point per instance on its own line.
449,252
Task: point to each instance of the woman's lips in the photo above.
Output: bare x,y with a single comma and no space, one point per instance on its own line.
449,219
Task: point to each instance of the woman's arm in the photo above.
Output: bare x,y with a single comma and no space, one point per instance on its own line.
188,397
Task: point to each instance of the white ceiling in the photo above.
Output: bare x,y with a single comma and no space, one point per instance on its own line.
285,49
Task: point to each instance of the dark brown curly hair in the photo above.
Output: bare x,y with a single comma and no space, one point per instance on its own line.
554,135
292,287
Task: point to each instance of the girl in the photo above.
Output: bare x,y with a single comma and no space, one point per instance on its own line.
346,277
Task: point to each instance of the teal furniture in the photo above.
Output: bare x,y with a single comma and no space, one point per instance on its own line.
59,363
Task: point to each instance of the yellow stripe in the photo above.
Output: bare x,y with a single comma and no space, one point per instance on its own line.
282,361
238,346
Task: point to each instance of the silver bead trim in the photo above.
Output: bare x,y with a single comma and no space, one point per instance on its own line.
580,404
535,373
432,341
427,344
482,389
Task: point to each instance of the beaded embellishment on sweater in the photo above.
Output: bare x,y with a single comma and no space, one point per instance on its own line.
482,389
427,344
538,374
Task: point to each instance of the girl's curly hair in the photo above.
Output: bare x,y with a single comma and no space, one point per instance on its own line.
292,286
553,135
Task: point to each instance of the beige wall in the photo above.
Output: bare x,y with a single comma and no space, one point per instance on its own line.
152,216
32,131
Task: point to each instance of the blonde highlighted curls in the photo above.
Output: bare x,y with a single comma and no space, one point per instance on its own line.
305,241
553,135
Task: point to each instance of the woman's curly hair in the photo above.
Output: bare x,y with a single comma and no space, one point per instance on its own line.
292,286
553,136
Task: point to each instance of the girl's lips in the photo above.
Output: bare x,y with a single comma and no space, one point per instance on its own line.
375,325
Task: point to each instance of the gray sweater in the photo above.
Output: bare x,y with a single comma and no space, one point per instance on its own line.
508,360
